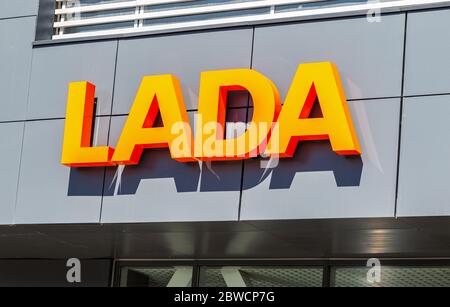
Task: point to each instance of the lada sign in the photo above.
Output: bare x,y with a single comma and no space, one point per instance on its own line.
274,129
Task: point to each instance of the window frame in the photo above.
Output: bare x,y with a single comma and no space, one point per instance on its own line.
47,17
328,265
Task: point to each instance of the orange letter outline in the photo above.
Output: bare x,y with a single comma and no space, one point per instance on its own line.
76,149
156,93
214,87
313,81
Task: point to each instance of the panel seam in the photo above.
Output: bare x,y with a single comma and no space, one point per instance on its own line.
401,115
23,139
246,117
109,129
18,17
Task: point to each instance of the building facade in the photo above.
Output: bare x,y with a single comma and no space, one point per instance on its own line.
311,220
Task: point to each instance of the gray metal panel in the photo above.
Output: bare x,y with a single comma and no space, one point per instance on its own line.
160,189
10,147
17,8
46,17
184,56
50,192
317,183
329,238
427,50
16,37
368,55
54,67
424,157
52,273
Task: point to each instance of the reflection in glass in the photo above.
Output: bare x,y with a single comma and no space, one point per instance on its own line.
393,277
283,276
176,276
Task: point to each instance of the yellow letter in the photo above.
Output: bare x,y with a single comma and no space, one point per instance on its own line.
161,93
77,150
314,81
214,87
